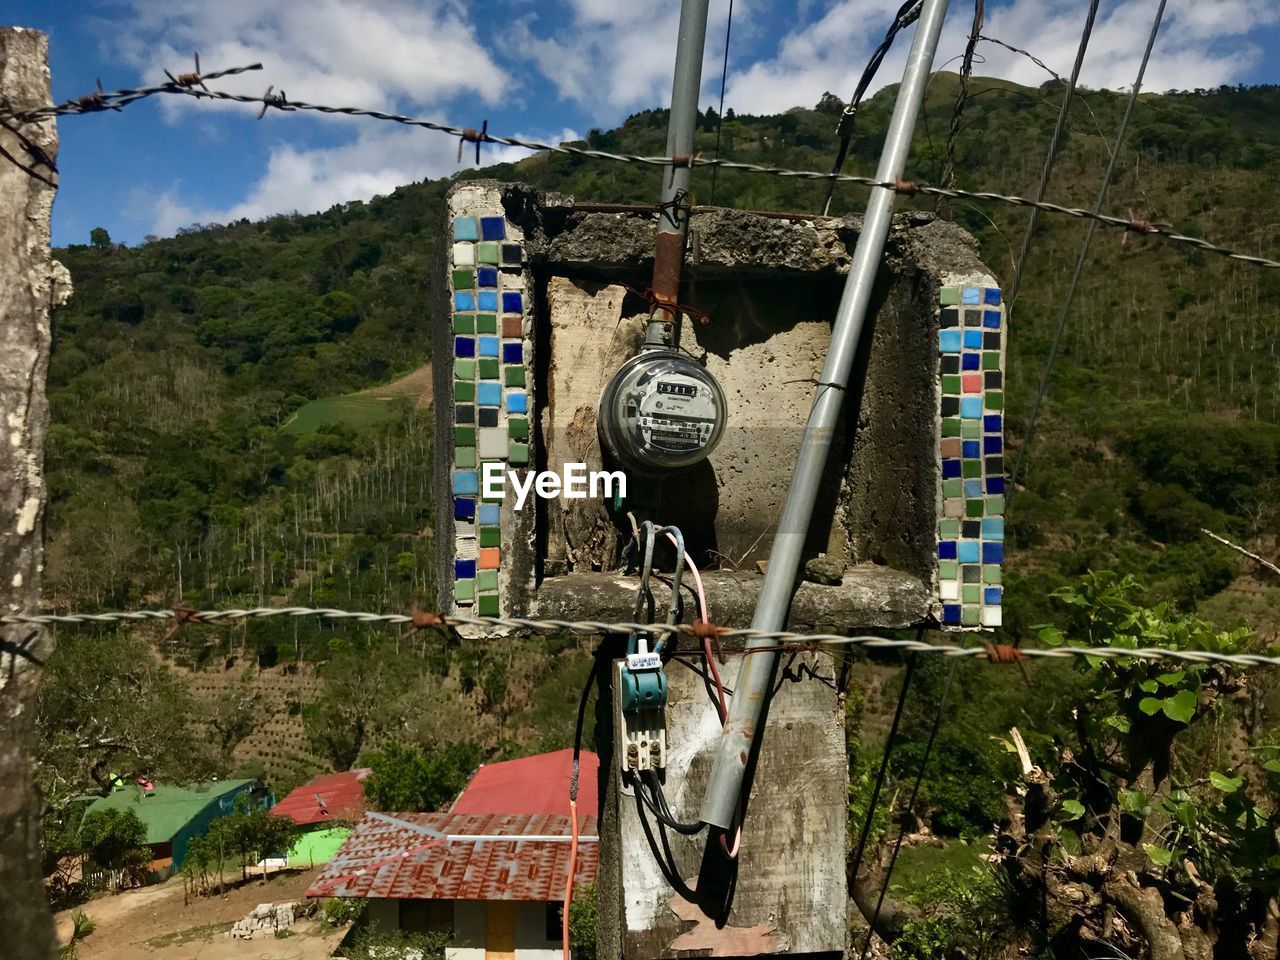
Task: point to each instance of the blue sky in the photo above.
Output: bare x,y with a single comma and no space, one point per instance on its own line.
549,69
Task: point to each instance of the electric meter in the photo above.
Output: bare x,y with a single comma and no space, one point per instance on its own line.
661,411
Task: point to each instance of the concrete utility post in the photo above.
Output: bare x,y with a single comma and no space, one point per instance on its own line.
673,221
755,679
30,284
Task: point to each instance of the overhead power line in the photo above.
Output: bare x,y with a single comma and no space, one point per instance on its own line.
279,101
787,640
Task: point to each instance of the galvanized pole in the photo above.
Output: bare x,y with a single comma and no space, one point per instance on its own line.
755,679
673,220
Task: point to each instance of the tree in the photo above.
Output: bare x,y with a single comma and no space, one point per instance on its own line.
99,239
406,779
115,840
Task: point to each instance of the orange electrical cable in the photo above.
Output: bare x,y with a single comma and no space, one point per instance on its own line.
568,885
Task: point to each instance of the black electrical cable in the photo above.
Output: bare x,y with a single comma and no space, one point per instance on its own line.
947,174
662,854
658,805
907,676
907,14
724,75
582,714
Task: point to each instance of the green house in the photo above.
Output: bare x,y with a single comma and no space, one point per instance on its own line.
175,815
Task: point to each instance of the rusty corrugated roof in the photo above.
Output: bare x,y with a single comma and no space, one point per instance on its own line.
444,856
330,796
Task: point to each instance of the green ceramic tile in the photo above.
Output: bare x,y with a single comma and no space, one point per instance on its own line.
518,428
486,253
948,569
464,323
464,369
463,279
518,455
490,537
971,429
948,529
971,470
515,376
487,580
488,605
991,360
464,436
953,488
971,593
951,427
464,590
486,323
995,400
482,496
973,508
464,457
951,384
949,296
991,573
488,368
464,392
968,615
995,506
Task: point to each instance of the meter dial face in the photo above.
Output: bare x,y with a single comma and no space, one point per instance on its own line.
661,411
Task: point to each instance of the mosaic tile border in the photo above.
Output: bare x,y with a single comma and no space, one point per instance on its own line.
972,337
489,297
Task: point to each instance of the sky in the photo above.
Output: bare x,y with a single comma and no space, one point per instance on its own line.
546,69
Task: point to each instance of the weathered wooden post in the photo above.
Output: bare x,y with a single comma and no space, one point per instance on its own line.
31,283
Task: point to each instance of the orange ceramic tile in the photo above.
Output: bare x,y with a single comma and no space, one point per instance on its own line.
511,327
972,382
489,557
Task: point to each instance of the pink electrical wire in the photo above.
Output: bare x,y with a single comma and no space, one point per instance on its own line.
729,852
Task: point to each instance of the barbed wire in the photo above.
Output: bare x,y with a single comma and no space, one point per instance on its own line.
787,640
192,85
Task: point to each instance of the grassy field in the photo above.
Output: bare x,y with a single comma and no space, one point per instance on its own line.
365,409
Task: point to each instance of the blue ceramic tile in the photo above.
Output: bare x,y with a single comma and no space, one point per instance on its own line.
513,353
489,514
950,469
517,403
951,613
995,484
464,228
489,393
992,553
464,508
488,346
946,549
967,551
992,423
993,296
968,361
971,448
949,340
512,302
991,319
991,596
993,528
971,407
970,296
493,228
487,276
464,569
972,488
464,346
466,482
488,300
973,339
463,302
992,445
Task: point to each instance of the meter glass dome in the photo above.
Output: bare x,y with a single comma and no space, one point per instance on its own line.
661,411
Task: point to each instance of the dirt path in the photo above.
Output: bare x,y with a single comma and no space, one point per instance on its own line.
154,921
416,383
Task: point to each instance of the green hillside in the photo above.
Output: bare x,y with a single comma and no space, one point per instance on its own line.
211,441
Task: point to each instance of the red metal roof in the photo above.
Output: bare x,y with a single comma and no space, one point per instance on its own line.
330,796
445,856
537,784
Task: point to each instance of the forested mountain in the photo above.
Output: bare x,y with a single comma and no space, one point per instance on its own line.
212,443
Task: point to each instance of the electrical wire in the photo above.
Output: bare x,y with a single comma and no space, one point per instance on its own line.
947,173
573,799
650,791
1081,260
724,76
907,14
